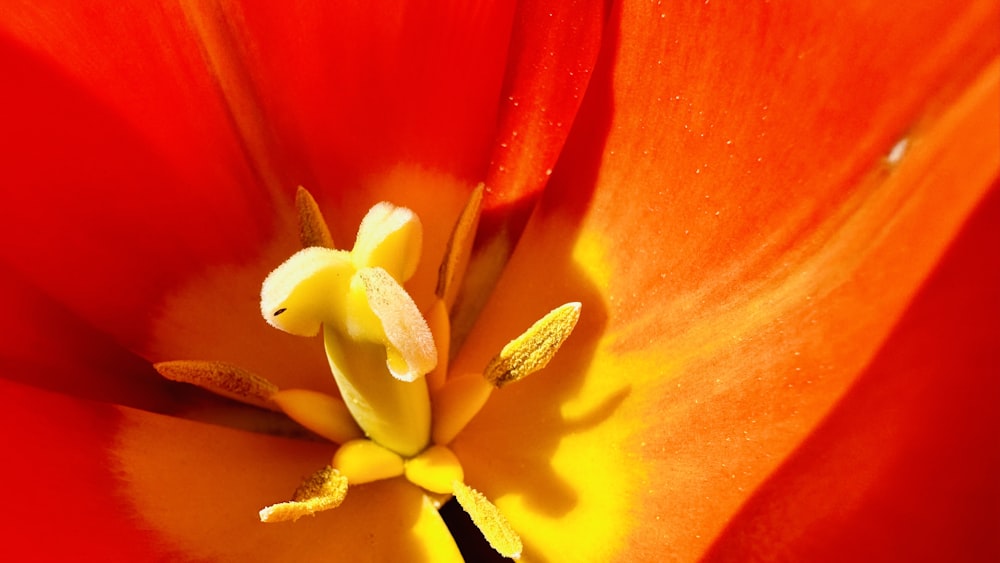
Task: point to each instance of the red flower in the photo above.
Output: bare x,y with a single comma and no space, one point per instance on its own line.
781,221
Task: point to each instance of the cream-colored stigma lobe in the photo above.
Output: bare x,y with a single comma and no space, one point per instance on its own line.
307,290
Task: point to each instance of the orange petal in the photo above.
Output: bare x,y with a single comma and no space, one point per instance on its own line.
120,483
718,331
905,466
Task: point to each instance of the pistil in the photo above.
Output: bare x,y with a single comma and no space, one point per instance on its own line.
378,344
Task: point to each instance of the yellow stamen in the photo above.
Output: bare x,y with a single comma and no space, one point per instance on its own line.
435,469
456,255
456,404
532,350
326,489
487,517
312,228
222,379
440,326
325,415
363,461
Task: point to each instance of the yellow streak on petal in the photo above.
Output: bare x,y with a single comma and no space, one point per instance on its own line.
323,414
312,227
455,404
495,528
364,461
435,469
456,254
222,379
534,349
326,489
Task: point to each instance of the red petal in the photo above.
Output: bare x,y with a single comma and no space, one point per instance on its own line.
47,346
122,171
144,143
553,51
59,494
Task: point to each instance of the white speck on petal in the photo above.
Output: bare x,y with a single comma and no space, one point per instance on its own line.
897,151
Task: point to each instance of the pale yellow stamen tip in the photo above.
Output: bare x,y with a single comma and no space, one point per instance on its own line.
312,227
222,379
325,415
534,349
486,516
435,469
364,461
326,489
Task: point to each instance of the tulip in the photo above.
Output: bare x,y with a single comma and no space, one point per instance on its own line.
780,222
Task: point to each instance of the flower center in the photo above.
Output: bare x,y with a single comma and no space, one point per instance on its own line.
398,407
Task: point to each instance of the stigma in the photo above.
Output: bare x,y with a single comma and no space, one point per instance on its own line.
399,408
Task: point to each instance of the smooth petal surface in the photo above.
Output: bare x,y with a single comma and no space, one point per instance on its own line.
905,466
394,102
164,183
105,480
553,49
743,249
120,168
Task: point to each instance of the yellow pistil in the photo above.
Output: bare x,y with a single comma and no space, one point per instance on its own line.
377,342
326,489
